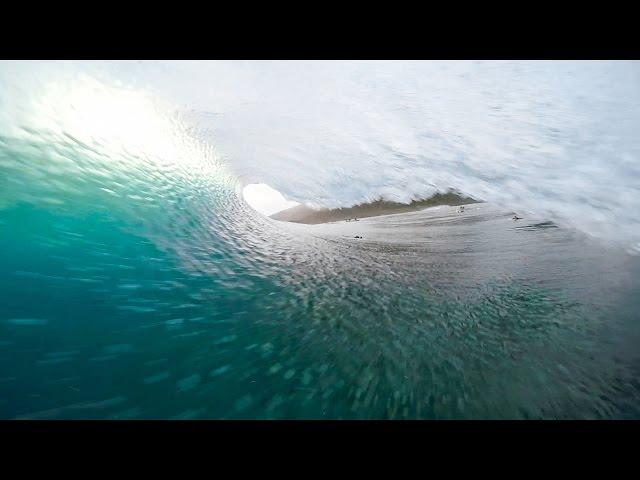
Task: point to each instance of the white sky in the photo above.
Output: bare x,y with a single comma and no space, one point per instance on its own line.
264,199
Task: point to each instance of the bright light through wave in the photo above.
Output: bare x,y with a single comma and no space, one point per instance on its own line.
266,200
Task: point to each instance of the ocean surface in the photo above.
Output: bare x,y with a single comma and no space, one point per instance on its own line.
136,283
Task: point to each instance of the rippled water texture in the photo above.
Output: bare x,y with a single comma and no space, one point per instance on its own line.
136,283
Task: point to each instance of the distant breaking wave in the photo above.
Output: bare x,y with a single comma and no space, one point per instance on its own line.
304,214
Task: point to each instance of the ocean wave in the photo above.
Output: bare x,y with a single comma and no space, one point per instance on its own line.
558,138
126,242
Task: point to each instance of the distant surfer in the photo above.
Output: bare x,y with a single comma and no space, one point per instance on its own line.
516,217
460,209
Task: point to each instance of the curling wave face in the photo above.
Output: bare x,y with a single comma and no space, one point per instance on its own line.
135,282
556,138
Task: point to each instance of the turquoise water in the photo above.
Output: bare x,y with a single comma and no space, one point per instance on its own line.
135,283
